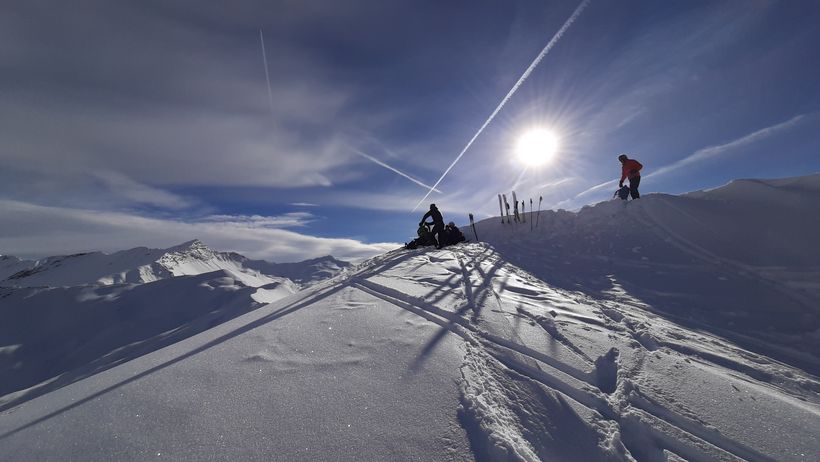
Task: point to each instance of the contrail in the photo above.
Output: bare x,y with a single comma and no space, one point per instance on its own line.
267,76
377,161
512,91
710,151
595,188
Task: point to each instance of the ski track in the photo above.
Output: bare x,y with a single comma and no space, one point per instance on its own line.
533,388
639,424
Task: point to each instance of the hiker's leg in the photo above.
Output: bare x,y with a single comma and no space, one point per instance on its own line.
633,187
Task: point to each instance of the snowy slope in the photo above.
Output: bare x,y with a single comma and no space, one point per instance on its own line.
603,336
453,354
741,261
54,336
10,265
67,317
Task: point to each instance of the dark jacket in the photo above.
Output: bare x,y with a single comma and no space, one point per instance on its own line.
438,221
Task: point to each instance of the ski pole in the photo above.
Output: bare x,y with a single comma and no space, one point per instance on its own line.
539,211
524,211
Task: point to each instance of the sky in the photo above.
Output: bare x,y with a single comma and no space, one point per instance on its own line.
151,123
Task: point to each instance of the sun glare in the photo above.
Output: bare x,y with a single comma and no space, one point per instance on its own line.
537,147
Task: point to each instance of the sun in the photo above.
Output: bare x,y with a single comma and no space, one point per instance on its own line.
537,147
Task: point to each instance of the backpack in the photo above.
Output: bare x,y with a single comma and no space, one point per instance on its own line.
623,193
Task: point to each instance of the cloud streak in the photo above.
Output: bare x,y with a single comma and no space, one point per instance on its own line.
533,65
288,220
267,74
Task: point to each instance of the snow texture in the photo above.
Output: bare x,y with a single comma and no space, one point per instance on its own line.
669,328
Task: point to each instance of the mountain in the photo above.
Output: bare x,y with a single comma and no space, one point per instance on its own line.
304,272
141,265
626,331
68,317
10,265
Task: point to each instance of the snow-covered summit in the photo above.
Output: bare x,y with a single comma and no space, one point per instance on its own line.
741,260
307,271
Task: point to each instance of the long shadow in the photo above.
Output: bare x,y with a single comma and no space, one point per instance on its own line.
285,310
470,305
431,344
702,296
60,346
247,327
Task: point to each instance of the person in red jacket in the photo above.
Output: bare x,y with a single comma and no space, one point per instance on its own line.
630,168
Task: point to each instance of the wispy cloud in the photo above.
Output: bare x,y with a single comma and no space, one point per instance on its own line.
712,151
303,204
134,191
29,230
287,220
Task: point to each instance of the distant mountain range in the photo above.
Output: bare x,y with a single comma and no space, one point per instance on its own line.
143,265
67,317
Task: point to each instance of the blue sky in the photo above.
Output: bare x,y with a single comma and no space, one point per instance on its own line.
149,123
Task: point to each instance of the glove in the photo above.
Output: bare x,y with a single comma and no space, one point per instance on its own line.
621,184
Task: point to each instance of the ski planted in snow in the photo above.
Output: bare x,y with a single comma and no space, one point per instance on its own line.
472,224
515,207
507,207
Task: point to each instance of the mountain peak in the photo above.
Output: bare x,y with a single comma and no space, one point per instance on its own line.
194,249
194,244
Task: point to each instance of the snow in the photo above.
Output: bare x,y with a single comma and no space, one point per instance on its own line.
69,317
10,265
660,329
142,265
